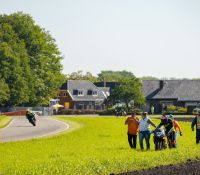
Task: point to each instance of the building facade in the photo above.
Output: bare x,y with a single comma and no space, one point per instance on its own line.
161,93
82,95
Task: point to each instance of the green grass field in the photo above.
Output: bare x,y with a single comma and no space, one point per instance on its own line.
94,145
4,121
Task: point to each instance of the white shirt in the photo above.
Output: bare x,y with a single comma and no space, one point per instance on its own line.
144,125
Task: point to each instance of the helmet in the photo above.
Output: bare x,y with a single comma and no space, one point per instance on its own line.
164,118
171,116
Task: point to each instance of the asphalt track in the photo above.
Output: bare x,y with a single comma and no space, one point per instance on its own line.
21,129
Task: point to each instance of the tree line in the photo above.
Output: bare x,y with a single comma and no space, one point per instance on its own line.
31,69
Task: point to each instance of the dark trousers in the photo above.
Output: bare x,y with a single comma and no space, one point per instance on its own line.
197,135
132,140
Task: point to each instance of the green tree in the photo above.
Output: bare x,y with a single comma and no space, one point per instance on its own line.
128,91
4,92
13,65
148,78
79,75
114,76
29,60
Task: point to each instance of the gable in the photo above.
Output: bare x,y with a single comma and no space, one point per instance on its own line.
89,92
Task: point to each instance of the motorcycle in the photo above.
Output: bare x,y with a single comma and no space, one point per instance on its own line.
159,139
31,118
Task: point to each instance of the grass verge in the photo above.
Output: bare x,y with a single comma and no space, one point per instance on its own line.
93,145
4,121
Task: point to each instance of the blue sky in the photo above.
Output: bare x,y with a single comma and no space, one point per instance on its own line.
157,38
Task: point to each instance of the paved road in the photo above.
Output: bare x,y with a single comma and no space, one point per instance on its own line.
21,129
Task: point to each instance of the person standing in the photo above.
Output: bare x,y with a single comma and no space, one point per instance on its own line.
144,130
177,127
152,109
133,125
196,121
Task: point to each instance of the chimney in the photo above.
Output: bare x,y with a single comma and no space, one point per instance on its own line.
161,84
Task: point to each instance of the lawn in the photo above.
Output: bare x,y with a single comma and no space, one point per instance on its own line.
94,145
4,121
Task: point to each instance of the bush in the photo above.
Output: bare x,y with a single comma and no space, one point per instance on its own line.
181,110
135,110
195,111
107,112
171,109
75,112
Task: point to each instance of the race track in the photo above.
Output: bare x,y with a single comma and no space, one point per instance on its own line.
21,129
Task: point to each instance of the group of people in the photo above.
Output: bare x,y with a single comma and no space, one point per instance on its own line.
142,127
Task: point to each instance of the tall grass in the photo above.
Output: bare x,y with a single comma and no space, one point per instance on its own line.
97,145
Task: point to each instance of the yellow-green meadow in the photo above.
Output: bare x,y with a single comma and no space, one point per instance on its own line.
93,145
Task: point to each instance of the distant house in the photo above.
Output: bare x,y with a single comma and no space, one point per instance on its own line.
85,95
161,93
82,95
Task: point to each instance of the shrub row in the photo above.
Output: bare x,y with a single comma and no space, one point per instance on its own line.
175,110
75,112
109,111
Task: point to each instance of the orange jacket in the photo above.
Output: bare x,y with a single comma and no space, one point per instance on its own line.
133,125
176,126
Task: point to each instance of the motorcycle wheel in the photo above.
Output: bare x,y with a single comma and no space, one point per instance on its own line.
33,123
156,145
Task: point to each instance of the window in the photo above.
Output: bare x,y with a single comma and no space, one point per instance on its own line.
90,103
166,103
89,92
75,92
80,93
65,94
94,93
80,106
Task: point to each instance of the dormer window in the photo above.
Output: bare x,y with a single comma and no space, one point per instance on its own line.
75,92
94,93
80,92
89,92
